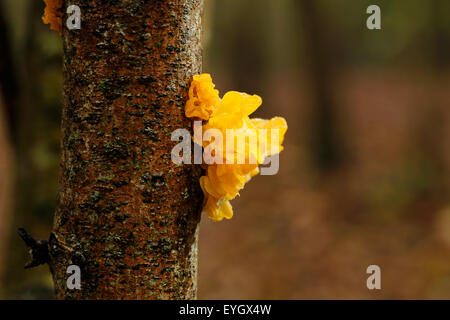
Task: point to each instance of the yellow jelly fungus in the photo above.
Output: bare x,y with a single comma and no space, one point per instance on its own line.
202,97
53,14
223,181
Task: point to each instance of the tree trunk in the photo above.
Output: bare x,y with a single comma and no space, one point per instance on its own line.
126,215
8,77
321,52
6,182
8,95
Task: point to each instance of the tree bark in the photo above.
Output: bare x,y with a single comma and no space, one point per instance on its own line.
126,215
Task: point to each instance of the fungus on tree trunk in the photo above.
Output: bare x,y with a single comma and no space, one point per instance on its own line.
126,215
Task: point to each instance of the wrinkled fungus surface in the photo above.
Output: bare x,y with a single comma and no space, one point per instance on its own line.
53,14
202,97
223,181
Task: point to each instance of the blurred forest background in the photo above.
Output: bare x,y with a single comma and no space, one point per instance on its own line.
364,178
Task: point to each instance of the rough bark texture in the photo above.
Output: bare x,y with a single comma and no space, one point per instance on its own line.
126,214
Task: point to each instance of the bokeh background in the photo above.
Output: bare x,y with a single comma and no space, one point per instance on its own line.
364,177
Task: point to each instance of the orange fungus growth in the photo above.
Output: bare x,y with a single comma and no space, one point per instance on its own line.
53,14
232,167
202,97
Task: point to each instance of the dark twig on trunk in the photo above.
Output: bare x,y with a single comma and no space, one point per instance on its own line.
39,251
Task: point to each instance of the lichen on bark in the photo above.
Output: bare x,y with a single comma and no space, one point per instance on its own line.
126,214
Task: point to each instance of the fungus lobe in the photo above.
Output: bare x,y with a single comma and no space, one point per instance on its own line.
53,14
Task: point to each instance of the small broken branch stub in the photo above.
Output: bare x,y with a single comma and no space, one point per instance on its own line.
39,252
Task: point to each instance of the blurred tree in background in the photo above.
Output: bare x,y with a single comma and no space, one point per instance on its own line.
36,64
